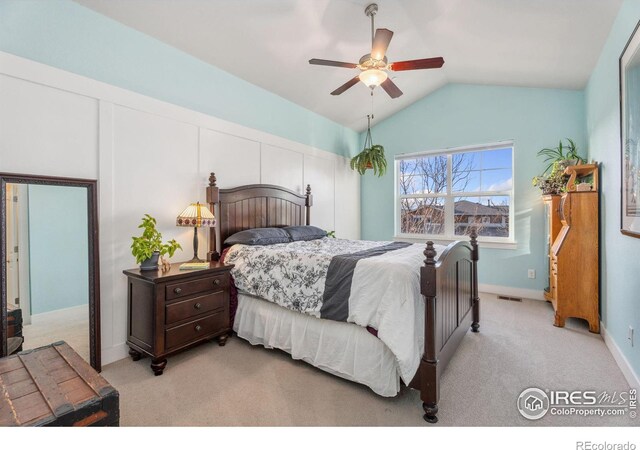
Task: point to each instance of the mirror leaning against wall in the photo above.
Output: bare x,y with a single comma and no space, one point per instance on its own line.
50,265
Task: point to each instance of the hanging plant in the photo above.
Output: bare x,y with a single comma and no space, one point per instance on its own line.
371,157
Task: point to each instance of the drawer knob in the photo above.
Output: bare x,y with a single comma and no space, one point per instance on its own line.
216,282
197,306
198,328
177,290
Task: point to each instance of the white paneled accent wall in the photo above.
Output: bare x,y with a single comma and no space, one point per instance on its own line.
282,167
150,157
46,130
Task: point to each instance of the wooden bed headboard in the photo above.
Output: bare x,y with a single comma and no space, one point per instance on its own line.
254,206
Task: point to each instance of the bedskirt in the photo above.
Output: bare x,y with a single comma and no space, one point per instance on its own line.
340,348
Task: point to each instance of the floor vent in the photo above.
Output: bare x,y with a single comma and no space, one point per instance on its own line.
512,299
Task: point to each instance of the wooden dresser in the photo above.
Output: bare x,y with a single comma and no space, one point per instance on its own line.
574,255
173,310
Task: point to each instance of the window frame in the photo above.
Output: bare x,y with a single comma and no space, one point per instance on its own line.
450,195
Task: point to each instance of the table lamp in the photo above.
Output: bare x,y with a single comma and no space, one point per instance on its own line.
196,216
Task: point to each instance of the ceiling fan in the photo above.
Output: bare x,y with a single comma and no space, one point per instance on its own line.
374,66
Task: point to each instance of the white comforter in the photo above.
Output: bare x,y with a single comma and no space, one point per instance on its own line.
385,289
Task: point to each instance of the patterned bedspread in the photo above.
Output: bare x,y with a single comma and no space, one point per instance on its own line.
384,289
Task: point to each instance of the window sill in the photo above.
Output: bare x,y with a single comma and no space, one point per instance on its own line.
504,245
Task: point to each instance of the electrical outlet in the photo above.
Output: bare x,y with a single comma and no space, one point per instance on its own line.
531,273
630,335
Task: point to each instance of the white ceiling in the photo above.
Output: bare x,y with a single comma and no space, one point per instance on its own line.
536,43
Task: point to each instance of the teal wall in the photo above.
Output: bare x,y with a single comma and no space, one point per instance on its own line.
459,115
620,282
68,36
58,248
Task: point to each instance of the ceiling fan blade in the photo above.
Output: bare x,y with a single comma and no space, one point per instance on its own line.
352,82
391,88
427,63
326,62
381,43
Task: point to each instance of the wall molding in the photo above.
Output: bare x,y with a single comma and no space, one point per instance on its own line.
62,315
340,211
531,294
621,360
35,72
114,353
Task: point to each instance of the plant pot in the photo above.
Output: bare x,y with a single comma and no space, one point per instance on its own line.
369,165
150,263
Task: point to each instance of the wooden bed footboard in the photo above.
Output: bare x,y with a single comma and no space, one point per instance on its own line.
450,287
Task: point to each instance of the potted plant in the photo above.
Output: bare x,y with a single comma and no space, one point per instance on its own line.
553,184
559,158
564,155
370,158
149,247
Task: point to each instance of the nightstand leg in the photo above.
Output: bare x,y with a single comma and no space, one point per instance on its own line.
559,321
158,365
222,340
135,354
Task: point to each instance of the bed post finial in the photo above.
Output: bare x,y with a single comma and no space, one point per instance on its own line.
430,253
474,243
212,180
308,204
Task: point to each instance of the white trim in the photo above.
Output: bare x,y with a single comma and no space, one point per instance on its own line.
65,314
621,360
531,294
450,150
114,353
445,240
35,72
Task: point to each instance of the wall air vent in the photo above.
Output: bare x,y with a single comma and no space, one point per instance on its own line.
513,299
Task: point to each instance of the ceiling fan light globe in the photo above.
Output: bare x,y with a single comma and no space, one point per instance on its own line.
373,77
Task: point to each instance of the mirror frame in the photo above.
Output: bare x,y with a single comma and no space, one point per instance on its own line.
93,247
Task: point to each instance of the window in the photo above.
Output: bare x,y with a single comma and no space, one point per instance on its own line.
442,194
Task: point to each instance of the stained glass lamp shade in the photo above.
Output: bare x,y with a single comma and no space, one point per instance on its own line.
196,216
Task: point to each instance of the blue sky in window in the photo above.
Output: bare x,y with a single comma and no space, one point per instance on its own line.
485,170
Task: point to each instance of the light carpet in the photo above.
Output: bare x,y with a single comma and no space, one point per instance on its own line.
241,385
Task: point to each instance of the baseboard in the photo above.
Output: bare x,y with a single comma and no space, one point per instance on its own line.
532,294
115,353
621,360
72,313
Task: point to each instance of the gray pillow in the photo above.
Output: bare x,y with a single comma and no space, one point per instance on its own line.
305,233
259,236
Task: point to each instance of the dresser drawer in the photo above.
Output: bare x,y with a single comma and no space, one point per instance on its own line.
193,331
186,288
192,307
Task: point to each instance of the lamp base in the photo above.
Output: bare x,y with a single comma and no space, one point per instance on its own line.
196,260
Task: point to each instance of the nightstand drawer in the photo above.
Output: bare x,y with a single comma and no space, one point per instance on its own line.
185,288
193,331
185,309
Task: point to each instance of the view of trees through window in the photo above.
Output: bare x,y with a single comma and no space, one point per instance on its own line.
446,194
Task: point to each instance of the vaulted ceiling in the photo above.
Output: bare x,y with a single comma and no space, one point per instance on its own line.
535,43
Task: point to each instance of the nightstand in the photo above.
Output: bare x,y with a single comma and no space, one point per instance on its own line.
177,309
